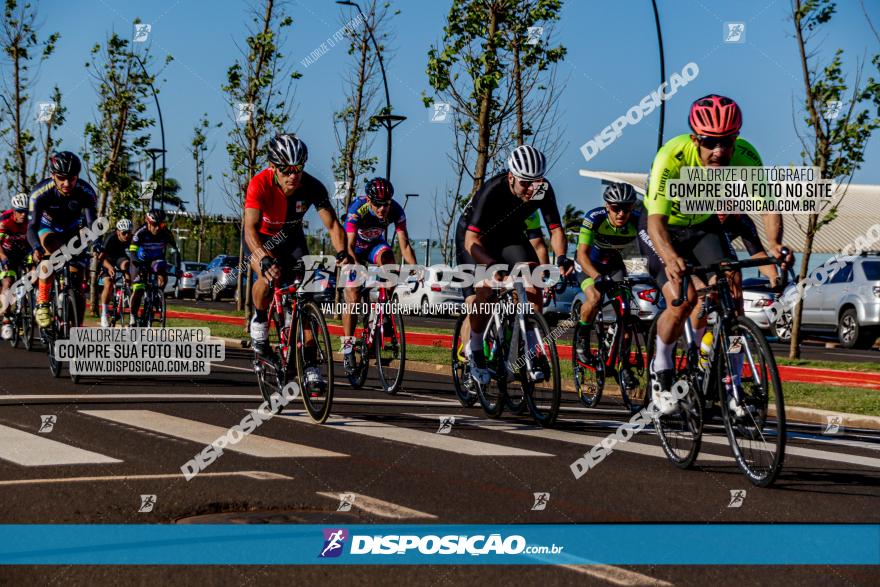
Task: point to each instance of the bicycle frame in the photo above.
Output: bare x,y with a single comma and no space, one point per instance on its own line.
520,321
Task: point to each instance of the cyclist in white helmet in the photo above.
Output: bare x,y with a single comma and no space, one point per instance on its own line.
14,249
113,257
490,231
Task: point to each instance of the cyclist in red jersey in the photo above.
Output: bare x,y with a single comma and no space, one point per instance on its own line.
13,249
277,200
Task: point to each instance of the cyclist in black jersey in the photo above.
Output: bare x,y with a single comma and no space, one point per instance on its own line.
147,252
113,257
490,232
56,209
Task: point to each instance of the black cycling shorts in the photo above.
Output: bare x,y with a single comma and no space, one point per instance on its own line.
516,250
288,252
702,244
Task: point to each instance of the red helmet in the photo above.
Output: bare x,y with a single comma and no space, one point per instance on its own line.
379,190
715,116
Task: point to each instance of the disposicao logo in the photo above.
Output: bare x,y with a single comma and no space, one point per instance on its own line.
334,541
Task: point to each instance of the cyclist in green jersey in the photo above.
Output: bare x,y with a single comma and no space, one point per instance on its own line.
670,239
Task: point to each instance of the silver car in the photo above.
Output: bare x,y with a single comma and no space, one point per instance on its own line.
184,285
847,305
647,302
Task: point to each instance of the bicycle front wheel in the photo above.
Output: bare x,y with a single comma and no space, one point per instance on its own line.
680,433
314,361
156,315
26,316
493,395
71,320
543,392
461,379
390,344
756,424
589,377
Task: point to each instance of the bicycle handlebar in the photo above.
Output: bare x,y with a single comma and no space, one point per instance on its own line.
722,266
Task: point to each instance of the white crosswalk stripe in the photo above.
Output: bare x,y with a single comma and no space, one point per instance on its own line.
202,433
32,450
444,442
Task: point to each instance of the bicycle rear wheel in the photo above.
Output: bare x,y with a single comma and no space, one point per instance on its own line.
156,315
317,396
681,432
756,428
465,388
361,356
589,379
543,396
26,316
71,320
390,351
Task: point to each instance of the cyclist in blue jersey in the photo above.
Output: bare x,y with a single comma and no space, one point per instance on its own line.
368,218
147,250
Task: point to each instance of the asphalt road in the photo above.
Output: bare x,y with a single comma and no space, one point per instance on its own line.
114,441
813,349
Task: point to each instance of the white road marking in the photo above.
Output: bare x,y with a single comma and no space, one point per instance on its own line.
616,575
378,507
31,450
811,453
258,475
445,442
639,448
97,398
202,433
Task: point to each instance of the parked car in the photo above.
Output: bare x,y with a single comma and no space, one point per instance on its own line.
421,295
218,279
846,306
757,297
184,285
647,302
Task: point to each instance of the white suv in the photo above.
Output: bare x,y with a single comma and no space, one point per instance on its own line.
848,304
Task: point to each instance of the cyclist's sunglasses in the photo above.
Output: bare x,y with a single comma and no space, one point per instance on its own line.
526,183
380,204
712,143
290,169
60,177
621,208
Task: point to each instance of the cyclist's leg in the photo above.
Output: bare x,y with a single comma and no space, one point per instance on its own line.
521,256
7,276
160,268
262,297
51,241
462,258
478,318
352,296
137,272
734,278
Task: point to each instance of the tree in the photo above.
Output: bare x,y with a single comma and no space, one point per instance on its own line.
121,78
833,143
199,151
572,218
259,85
485,44
355,123
172,189
54,122
25,52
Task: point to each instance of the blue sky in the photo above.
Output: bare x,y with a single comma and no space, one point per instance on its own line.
611,64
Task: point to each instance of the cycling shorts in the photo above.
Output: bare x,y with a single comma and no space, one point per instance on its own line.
517,249
700,244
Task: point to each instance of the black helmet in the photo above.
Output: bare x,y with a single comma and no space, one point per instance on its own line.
287,149
379,189
620,193
64,163
156,215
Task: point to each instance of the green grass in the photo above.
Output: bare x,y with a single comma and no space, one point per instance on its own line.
842,365
202,310
852,400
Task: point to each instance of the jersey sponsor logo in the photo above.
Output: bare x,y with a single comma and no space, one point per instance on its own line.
370,233
301,207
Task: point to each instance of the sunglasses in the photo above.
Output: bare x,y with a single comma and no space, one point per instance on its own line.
526,183
381,204
620,208
712,143
63,177
291,169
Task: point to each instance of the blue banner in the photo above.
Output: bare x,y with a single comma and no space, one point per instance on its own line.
618,544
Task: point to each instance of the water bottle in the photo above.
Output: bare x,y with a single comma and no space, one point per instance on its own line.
706,349
610,333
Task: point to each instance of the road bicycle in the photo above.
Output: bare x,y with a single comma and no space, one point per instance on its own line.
521,357
23,321
384,336
66,298
615,349
152,311
738,381
302,350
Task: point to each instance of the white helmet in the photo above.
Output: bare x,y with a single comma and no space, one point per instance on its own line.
124,225
527,162
20,202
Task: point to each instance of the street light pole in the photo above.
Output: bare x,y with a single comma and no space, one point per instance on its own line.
662,74
161,132
154,153
388,120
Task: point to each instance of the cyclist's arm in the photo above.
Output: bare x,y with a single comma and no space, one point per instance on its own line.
35,214
541,250
473,244
406,250
558,241
252,238
351,222
331,223
550,212
658,230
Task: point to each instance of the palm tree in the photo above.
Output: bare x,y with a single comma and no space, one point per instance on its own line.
572,218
